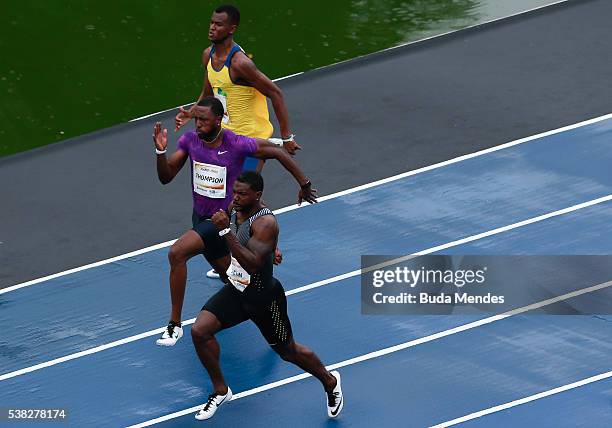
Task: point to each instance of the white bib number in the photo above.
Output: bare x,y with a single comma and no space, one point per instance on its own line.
239,277
209,180
222,96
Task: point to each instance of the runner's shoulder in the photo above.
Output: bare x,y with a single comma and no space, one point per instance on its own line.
265,222
206,55
242,61
187,137
229,135
234,138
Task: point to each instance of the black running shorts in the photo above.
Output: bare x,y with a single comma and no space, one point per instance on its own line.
269,312
215,246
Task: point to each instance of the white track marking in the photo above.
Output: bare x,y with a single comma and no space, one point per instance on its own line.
320,283
389,350
325,198
524,400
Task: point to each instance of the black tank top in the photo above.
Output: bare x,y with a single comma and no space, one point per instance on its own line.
262,281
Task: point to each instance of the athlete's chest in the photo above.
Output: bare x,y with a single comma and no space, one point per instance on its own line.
213,171
222,76
225,155
218,63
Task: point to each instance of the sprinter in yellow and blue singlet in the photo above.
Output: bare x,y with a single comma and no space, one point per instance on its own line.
232,77
246,109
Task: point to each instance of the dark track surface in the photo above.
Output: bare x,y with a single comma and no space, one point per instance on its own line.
97,196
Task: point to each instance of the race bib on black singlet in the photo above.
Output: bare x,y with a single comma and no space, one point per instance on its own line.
239,277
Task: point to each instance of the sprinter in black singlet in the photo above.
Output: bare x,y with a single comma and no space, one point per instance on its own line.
252,292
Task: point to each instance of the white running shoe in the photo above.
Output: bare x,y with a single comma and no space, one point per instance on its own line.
171,335
213,403
213,274
335,399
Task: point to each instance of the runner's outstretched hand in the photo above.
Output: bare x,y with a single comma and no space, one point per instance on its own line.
181,118
307,193
160,138
292,147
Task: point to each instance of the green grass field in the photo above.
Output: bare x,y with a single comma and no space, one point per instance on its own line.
74,66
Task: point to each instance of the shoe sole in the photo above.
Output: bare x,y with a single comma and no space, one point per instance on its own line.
228,398
204,418
212,274
158,343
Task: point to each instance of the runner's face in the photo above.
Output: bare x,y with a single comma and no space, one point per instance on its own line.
206,122
244,197
220,27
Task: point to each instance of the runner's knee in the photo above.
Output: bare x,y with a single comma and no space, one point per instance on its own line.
176,255
287,352
205,327
202,332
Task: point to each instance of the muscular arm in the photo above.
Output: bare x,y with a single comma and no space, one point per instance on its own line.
206,88
245,71
266,150
167,168
261,244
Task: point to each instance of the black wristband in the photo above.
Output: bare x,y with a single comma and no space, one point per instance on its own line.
307,184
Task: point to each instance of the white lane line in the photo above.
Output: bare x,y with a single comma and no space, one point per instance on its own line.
81,354
453,243
524,400
320,283
325,198
390,49
390,350
88,266
159,112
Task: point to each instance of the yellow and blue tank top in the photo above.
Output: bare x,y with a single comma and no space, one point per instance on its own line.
246,109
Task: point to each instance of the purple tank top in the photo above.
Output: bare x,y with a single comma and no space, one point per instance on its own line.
214,171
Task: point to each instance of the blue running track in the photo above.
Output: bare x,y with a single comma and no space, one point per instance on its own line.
420,385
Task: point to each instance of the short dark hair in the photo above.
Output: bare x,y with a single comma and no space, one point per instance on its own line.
215,105
253,179
232,13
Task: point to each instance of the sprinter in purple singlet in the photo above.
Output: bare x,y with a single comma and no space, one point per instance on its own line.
216,157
